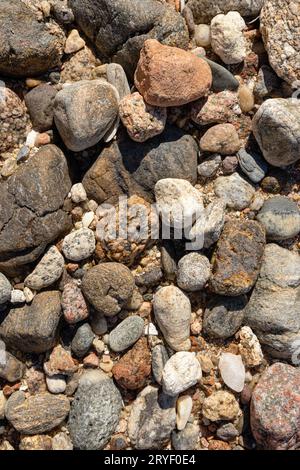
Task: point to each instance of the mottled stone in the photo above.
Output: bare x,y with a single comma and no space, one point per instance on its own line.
249,347
181,372
221,405
252,165
5,289
79,245
205,10
227,39
194,271
73,303
60,362
223,316
48,270
38,442
11,369
82,340
236,192
187,438
159,359
222,138
126,333
281,218
217,108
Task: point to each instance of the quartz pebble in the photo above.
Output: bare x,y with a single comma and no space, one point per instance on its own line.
78,193
79,244
202,35
74,42
232,371
227,39
181,372
183,410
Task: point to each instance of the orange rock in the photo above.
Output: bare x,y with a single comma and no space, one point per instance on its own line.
134,367
219,445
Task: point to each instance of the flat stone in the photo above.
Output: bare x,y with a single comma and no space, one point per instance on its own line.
253,165
60,363
217,108
47,271
281,218
223,316
232,371
236,192
227,432
82,340
126,333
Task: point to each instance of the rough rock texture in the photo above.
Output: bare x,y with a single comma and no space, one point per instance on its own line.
161,65
40,102
205,10
237,259
222,138
236,192
223,316
126,333
33,328
31,213
36,414
95,411
82,340
227,39
280,24
152,419
280,217
119,29
252,164
60,362
221,405
181,372
276,400
159,359
47,271
187,438
115,75
79,245
73,304
193,272
5,289
14,121
211,229
13,369
133,369
217,108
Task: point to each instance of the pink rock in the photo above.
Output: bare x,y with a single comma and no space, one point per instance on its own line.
73,303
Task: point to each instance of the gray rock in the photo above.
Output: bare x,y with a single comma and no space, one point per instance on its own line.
5,289
115,75
71,111
224,316
150,277
126,333
276,127
152,419
227,432
280,217
159,358
209,167
33,328
56,384
40,102
222,78
99,324
194,270
234,190
62,13
205,10
213,225
253,165
266,82
168,259
79,245
11,369
187,438
82,340
95,411
48,270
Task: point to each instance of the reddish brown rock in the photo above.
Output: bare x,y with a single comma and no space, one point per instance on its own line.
222,138
73,304
134,367
218,445
169,76
60,362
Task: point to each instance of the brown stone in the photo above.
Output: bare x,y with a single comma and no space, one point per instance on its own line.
73,303
222,138
38,442
60,362
134,367
218,445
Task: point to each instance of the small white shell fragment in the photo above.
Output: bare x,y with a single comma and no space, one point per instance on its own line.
184,407
232,371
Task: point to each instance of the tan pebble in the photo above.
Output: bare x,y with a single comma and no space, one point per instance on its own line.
106,367
106,358
9,167
46,8
42,139
246,98
33,82
74,42
205,362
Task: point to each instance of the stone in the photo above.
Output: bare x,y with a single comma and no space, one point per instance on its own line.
40,102
209,167
11,369
60,363
210,229
221,138
150,277
187,438
115,75
279,24
234,190
56,384
266,82
183,408
229,165
249,347
159,359
141,120
38,442
152,419
237,259
189,19
271,184
38,47
31,208
232,371
193,272
281,218
181,372
161,65
5,289
17,297
221,405
126,167
122,28
95,411
36,414
78,193
48,270
82,340
202,35
2,405
108,287
74,42
223,316
70,111
126,333
217,108
172,310
227,432
33,328
133,369
205,362
227,39
222,78
61,441
79,245
62,13
99,324
73,304
14,121
272,311
205,10
252,165
246,98
277,130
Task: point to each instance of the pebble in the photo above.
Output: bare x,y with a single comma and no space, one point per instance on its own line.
202,35
126,333
222,138
212,227
227,39
9,167
74,42
222,78
60,363
79,245
23,153
281,218
87,219
17,296
73,304
266,82
234,190
246,98
14,120
40,102
194,271
56,384
61,441
224,316
2,405
116,76
221,405
82,340
11,369
99,324
5,289
209,167
205,362
252,165
232,371
181,372
38,442
184,406
227,432
222,107
159,359
47,271
229,165
249,347
78,193
186,439
270,184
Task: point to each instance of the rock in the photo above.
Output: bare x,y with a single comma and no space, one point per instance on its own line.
277,130
79,245
222,78
95,411
178,202
222,138
56,384
149,278
232,371
122,28
48,270
108,287
202,35
133,369
61,441
38,442
5,289
172,310
227,39
227,432
126,333
36,48
270,184
78,193
70,111
82,340
73,304
252,165
127,167
74,42
99,324
279,24
209,167
234,190
187,438
60,363
159,359
17,297
275,400
272,312
181,372
219,107
115,75
223,316
31,208
193,272
33,328
161,65
11,369
213,224
249,348
152,419
141,120
246,98
184,407
36,414
238,256
189,19
40,102
221,405
281,218
229,165
266,82
205,10
2,405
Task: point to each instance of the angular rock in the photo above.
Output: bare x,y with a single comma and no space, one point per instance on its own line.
222,138
222,78
227,39
281,218
5,289
249,348
79,245
221,405
266,82
2,405
126,333
115,75
227,432
38,442
11,369
194,271
232,371
205,10
216,108
60,363
159,359
73,304
234,190
209,167
47,271
181,372
40,103
223,316
213,224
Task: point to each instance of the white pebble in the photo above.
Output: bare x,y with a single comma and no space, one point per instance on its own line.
232,371
150,330
79,245
202,35
17,296
181,372
29,295
87,219
31,138
56,384
78,193
184,407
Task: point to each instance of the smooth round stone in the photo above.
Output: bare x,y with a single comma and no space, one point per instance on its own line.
126,333
253,165
232,371
234,190
5,289
281,218
194,270
79,244
184,407
56,384
202,35
82,340
181,372
99,324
